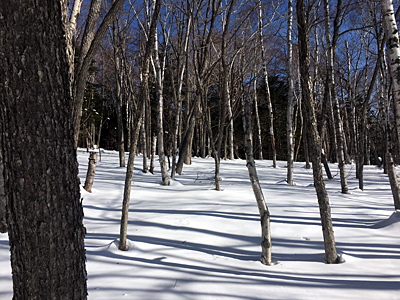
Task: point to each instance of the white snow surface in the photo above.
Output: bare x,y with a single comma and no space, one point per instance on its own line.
188,241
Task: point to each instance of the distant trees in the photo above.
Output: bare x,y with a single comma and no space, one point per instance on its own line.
44,210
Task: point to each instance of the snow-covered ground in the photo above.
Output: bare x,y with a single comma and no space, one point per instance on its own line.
188,241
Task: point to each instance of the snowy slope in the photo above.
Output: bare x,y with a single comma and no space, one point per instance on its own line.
188,241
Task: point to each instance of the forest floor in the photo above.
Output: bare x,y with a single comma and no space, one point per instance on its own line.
188,241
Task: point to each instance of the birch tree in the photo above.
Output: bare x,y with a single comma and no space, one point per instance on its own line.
144,89
393,49
255,184
159,70
290,104
90,43
265,77
315,139
331,93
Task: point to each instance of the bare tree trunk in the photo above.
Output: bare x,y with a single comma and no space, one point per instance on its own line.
153,154
159,75
90,43
118,74
91,172
332,96
393,49
267,92
384,112
290,104
255,184
144,95
315,140
144,138
3,197
44,209
259,139
178,93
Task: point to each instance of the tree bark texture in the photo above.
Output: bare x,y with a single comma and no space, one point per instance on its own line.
393,50
255,184
153,154
46,234
290,104
143,135
315,140
257,116
3,198
127,187
91,172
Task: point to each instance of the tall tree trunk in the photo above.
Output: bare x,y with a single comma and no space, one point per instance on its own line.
315,140
144,89
159,75
384,111
118,74
255,184
90,43
267,92
332,96
393,49
45,229
290,104
178,94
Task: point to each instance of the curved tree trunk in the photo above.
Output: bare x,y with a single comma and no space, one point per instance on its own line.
315,140
255,184
144,89
87,54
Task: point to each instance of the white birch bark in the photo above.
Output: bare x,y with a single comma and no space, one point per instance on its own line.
159,75
290,104
259,138
332,95
393,50
255,184
267,92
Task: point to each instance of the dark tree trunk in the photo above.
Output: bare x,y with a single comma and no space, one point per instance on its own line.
3,198
46,234
90,172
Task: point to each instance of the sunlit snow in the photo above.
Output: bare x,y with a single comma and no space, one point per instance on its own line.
188,241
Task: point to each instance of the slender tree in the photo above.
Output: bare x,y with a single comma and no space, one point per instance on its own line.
255,184
290,104
315,139
144,89
265,75
332,95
